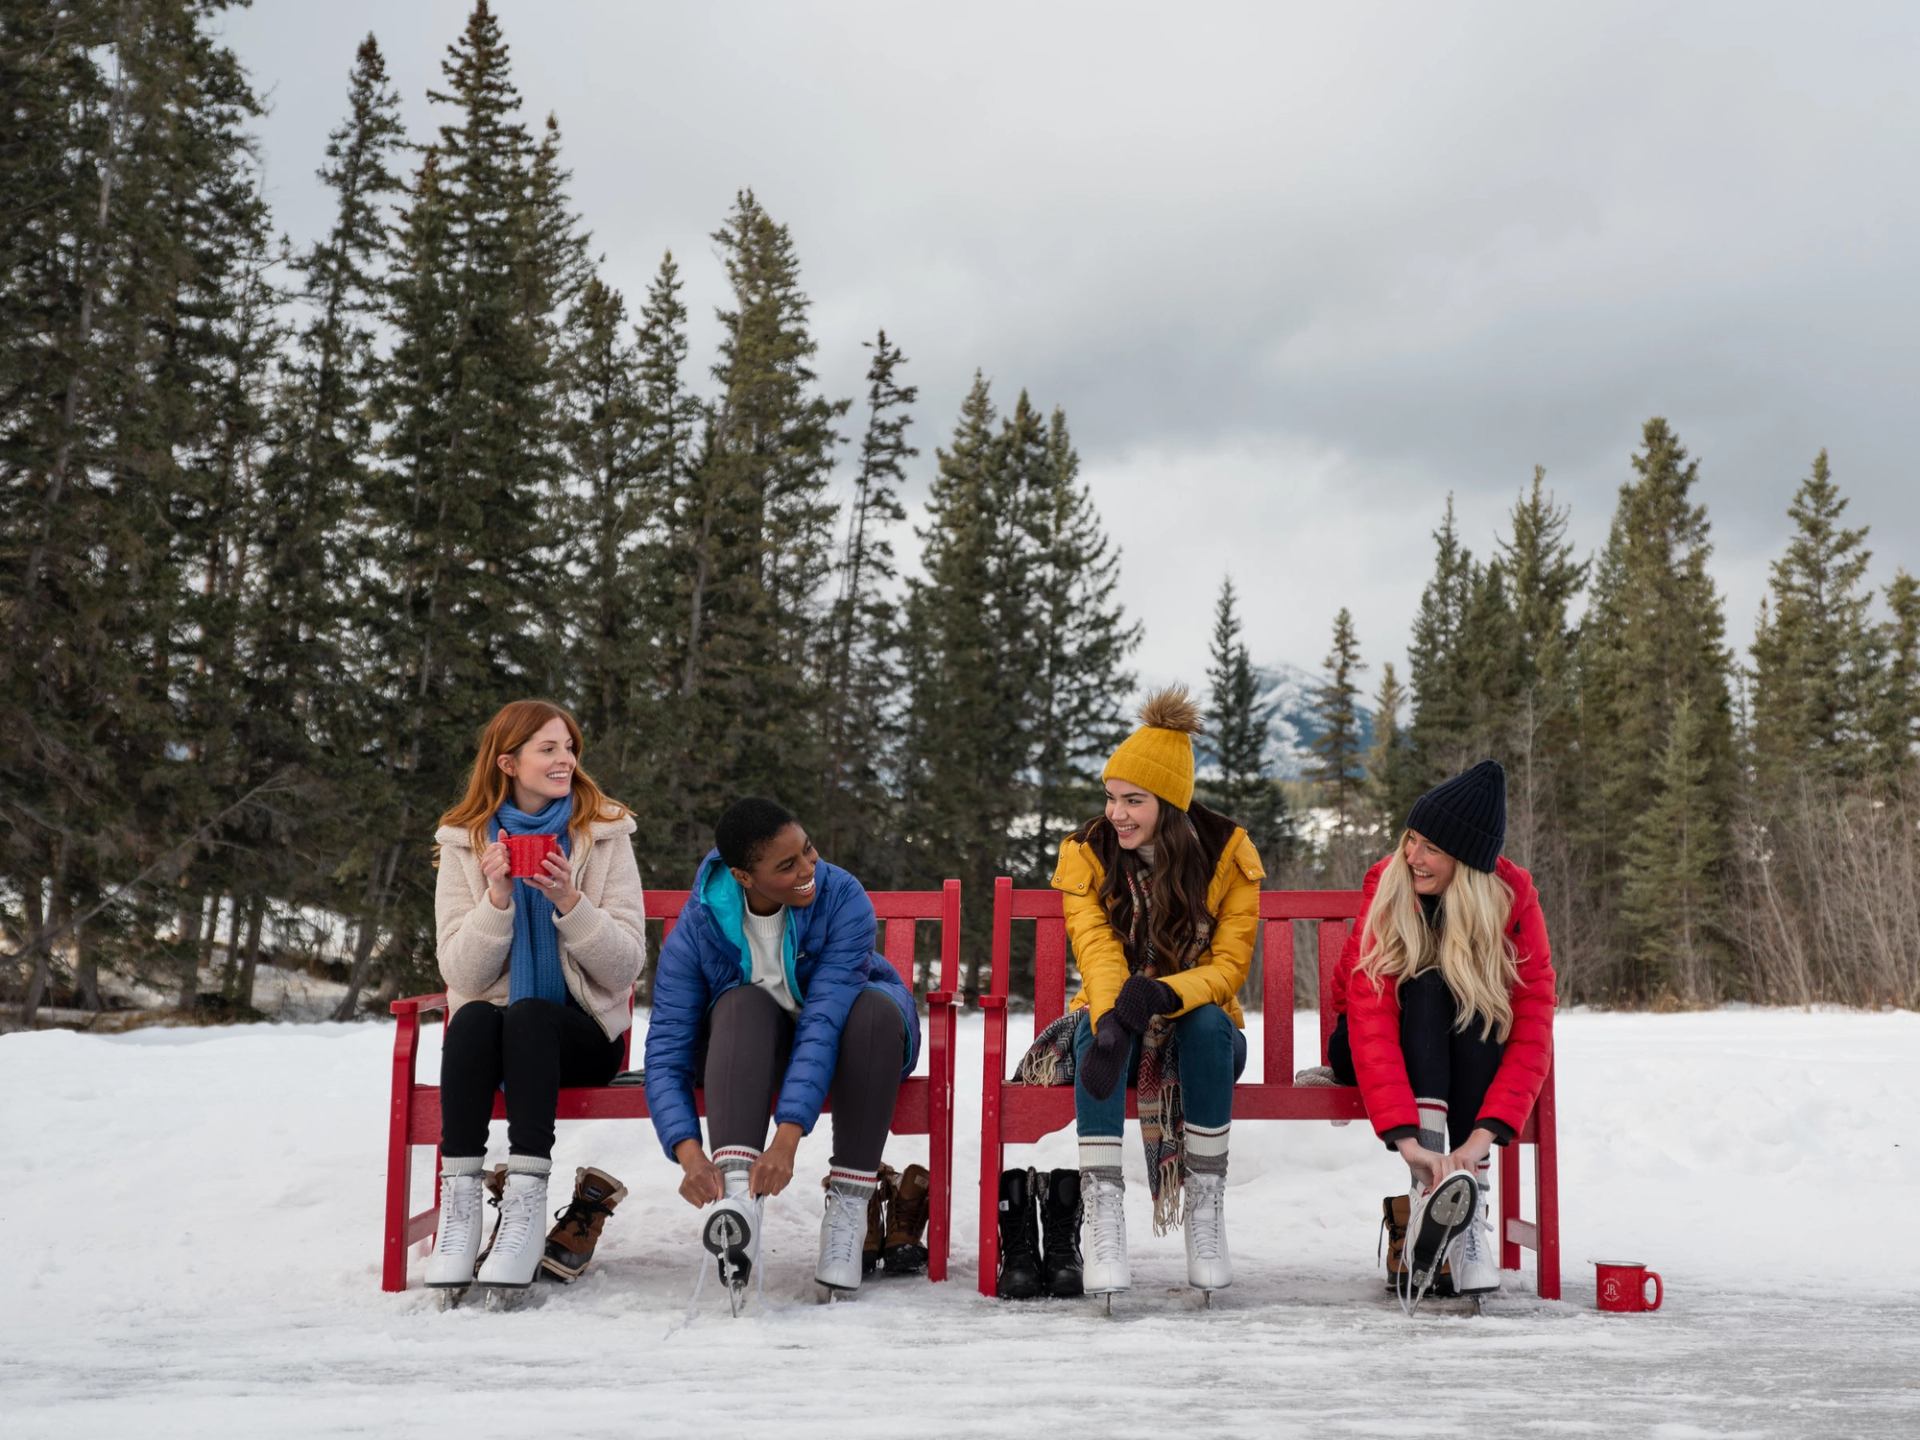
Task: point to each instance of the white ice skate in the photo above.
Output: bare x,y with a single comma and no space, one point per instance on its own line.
843,1231
1470,1257
1209,1266
1434,1218
520,1240
731,1233
1105,1272
456,1244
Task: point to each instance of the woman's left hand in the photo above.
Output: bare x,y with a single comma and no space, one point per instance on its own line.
1474,1149
558,881
774,1168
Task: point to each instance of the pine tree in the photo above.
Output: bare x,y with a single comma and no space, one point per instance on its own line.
1239,726
1078,637
1337,749
1390,779
1812,690
861,664
1896,712
1670,885
1652,638
1442,708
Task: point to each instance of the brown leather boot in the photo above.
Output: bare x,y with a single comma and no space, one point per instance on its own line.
905,1249
1393,1236
875,1242
570,1243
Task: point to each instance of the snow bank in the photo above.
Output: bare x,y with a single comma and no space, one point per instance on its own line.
192,1219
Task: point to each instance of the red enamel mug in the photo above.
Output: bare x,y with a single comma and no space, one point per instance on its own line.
525,853
1622,1286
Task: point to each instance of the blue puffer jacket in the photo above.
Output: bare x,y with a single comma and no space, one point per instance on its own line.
830,960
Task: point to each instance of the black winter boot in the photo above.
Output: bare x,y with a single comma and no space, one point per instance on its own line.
1019,1237
1060,1219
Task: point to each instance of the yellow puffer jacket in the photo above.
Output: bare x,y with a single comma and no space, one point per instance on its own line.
1233,900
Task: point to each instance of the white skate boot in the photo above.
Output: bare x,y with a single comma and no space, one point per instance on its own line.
521,1239
457,1232
843,1229
1105,1271
1209,1266
1476,1270
1434,1218
731,1233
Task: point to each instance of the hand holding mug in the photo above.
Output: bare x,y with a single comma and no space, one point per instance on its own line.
556,878
496,869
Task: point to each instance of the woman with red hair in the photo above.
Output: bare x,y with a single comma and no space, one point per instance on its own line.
539,972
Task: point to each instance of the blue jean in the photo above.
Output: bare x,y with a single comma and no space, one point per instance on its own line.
1213,1052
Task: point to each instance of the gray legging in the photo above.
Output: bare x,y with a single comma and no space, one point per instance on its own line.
747,1050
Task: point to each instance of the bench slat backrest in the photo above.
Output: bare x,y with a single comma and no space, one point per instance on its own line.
1332,913
900,913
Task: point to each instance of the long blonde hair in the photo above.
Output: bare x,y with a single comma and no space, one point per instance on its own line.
1472,951
488,785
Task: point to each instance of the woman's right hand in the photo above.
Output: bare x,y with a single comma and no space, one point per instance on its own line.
1437,1166
497,868
700,1182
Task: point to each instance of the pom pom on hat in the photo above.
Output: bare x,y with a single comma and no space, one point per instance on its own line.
1158,756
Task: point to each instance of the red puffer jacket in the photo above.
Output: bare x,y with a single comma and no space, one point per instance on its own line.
1373,1020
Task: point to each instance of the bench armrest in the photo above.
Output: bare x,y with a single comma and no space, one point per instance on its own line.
419,1004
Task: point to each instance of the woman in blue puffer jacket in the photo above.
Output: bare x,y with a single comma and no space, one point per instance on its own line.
770,995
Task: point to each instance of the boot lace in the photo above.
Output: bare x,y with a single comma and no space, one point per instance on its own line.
1206,1198
579,1213
1109,1223
459,1207
846,1228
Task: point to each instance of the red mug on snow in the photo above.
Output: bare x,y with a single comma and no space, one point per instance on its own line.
1622,1286
526,852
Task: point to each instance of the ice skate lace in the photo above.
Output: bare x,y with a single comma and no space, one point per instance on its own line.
1206,1199
516,1219
846,1228
1472,1242
1109,1223
459,1207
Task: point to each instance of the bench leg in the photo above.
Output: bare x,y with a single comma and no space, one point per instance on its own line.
393,1248
1546,1189
1509,1205
992,1159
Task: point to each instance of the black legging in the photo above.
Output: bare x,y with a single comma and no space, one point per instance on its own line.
535,1046
747,1050
1445,1064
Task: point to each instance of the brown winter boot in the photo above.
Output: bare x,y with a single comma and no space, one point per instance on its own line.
905,1250
876,1220
1393,1234
570,1243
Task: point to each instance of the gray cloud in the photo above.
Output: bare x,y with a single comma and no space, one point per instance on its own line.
1295,274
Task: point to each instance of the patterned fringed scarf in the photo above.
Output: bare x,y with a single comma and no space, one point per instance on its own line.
1049,1061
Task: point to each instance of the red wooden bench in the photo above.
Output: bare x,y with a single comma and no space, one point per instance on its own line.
1021,1114
925,1106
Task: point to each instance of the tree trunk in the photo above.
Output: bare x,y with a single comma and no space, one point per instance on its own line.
247,971
36,952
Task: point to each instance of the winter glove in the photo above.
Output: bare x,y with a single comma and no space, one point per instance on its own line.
1142,998
1100,1067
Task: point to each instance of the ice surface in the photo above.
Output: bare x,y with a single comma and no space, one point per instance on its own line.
191,1223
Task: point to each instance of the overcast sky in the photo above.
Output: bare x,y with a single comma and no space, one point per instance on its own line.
1295,273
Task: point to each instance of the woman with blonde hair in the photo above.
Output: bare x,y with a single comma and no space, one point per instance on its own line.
1448,989
539,971
1161,901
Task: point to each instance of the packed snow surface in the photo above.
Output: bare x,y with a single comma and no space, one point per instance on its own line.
192,1219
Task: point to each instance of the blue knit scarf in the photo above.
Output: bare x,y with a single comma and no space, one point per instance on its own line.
533,971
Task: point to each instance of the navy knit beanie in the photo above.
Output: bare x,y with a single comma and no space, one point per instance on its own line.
1466,816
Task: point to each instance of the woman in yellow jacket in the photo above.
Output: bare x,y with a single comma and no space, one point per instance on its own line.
1161,898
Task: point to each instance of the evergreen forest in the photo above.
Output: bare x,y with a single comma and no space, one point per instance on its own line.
281,527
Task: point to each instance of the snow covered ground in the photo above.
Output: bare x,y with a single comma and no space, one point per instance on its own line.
191,1223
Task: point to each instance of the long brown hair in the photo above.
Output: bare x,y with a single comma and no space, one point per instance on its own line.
488,786
1179,926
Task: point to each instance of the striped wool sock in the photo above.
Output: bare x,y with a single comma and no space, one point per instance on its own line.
1100,1158
1207,1148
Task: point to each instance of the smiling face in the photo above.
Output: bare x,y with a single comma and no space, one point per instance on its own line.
1133,812
1432,867
781,873
542,769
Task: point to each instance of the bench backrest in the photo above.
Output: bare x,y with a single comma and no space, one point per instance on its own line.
900,913
1330,912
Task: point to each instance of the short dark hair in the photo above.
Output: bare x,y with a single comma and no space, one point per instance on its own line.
746,828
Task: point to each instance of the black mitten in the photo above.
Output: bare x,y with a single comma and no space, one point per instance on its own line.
1100,1067
1142,998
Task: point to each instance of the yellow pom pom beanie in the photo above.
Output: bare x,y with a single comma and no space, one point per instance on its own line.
1158,756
